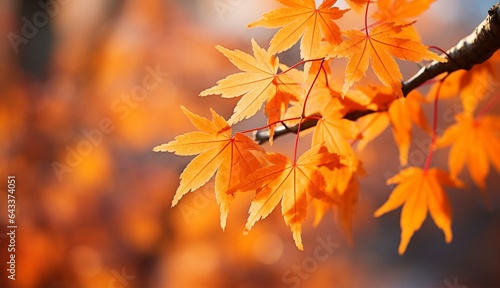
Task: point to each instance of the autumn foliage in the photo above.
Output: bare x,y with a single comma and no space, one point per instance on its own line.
326,175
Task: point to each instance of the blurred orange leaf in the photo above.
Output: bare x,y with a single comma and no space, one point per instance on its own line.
344,205
420,191
475,142
401,115
399,10
356,5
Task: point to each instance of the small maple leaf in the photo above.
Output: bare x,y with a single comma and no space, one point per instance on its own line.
473,85
357,5
379,46
335,132
344,205
371,126
231,157
316,80
474,142
420,191
400,10
288,182
401,115
259,83
299,19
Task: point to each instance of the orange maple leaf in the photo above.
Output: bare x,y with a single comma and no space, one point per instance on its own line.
322,89
474,142
258,83
371,126
299,19
316,79
231,157
344,206
401,115
335,132
288,182
380,46
357,5
473,85
420,191
400,10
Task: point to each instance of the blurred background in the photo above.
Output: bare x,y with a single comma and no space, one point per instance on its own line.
88,88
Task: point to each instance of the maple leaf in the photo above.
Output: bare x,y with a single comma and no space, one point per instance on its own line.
288,182
316,80
299,19
371,126
275,110
357,5
334,132
401,115
400,10
473,85
258,83
420,191
475,142
344,206
380,45
322,89
231,157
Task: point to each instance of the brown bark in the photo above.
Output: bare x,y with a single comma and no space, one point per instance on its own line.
471,50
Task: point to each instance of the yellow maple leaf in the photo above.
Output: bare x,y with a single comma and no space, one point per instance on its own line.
380,45
473,85
289,183
299,19
371,126
335,132
475,142
260,82
343,205
400,10
231,157
420,191
401,115
357,5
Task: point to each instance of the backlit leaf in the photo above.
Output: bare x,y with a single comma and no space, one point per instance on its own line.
289,183
380,45
231,157
420,192
301,19
259,82
475,142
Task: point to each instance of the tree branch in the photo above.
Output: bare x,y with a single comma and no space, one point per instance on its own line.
474,49
471,50
262,136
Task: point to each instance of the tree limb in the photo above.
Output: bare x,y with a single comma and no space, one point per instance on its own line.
471,50
474,49
262,136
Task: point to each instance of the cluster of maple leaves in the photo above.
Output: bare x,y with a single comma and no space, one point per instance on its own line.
326,175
